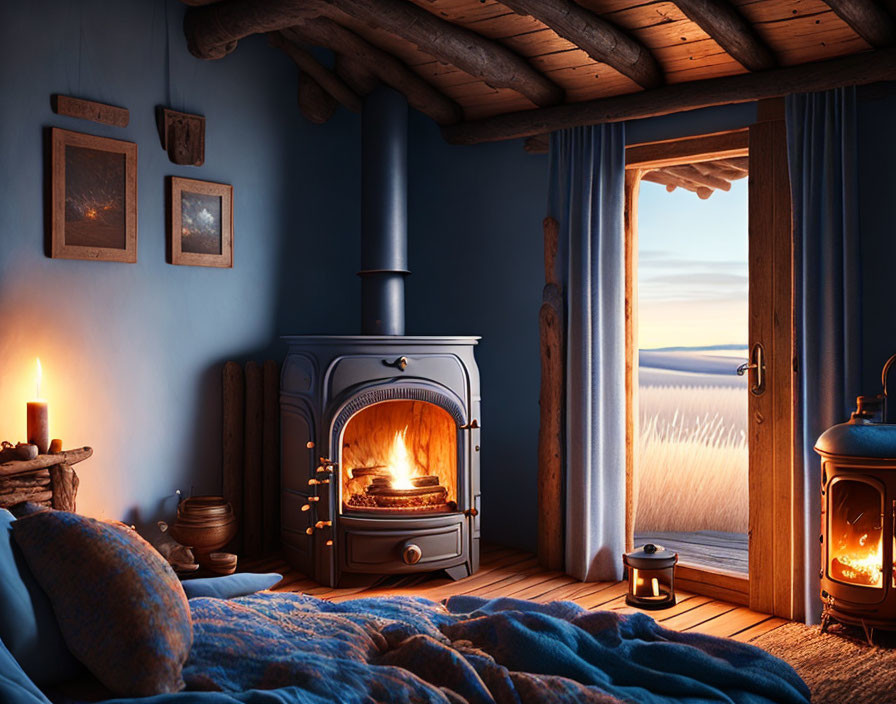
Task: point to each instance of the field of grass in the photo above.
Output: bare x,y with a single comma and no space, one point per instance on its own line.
693,457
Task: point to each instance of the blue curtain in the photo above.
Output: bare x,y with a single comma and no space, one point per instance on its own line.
587,198
821,146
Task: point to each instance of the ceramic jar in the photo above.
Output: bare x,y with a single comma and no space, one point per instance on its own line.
205,523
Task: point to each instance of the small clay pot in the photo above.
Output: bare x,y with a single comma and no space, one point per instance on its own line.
221,562
205,523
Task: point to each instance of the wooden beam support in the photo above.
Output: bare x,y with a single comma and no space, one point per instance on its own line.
858,69
538,144
321,75
213,31
598,38
479,56
731,31
733,143
672,182
867,19
692,173
316,104
420,94
356,74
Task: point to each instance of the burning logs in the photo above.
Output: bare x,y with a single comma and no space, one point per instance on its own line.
424,494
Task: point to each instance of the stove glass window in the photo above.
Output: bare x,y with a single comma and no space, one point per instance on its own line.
855,533
399,457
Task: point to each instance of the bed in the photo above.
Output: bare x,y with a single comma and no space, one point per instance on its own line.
271,647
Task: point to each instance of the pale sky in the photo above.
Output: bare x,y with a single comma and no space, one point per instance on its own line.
692,267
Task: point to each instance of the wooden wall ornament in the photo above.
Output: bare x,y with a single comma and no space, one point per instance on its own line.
90,110
93,197
551,513
182,136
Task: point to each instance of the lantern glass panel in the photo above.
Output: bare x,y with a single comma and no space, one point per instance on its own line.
652,586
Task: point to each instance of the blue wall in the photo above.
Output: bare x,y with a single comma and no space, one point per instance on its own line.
877,224
132,352
476,256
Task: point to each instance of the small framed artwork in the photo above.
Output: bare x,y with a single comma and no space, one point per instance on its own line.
93,213
200,226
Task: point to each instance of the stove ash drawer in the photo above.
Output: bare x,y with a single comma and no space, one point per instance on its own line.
404,550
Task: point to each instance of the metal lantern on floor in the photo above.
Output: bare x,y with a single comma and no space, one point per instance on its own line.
651,577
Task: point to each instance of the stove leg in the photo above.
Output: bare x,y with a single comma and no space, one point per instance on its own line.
825,622
458,571
869,632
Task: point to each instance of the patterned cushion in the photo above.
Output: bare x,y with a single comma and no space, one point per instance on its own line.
27,623
120,607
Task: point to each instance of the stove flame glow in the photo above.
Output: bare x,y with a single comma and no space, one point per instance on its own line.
400,464
862,567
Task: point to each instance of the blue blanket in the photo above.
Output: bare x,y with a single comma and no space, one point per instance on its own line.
277,648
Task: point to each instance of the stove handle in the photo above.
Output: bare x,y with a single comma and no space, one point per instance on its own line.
401,363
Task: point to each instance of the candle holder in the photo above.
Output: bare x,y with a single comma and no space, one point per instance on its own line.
651,577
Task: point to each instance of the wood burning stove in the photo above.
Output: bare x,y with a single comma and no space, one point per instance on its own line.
858,518
380,431
380,456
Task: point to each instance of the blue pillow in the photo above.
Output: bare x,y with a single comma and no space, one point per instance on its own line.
15,687
28,625
119,605
230,586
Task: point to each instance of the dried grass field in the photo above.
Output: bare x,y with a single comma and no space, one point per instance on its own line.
693,457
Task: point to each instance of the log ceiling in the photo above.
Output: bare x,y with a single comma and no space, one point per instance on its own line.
488,70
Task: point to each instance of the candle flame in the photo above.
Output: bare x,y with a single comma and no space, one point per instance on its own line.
38,377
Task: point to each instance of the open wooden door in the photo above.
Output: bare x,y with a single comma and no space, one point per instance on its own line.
775,529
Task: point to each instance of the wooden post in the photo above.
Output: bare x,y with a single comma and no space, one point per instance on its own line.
65,487
632,187
251,522
234,399
551,517
270,457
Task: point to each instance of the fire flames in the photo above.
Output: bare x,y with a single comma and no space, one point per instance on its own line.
399,464
860,566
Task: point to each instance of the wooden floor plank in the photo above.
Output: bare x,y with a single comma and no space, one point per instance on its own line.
514,573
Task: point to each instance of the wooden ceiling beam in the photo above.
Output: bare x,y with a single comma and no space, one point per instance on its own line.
479,56
213,31
598,38
421,95
730,30
692,173
867,19
857,69
316,103
672,182
322,76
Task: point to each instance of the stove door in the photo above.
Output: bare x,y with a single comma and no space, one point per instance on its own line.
854,536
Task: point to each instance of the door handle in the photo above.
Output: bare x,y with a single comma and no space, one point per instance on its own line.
757,364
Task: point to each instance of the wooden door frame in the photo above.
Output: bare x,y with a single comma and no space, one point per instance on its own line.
771,591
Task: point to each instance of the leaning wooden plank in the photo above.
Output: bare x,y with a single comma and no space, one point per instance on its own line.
270,456
857,69
252,528
550,432
90,110
42,461
233,440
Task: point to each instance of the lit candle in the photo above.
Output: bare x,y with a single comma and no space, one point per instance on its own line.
38,419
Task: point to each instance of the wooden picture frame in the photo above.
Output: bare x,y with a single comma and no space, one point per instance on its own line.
200,223
93,191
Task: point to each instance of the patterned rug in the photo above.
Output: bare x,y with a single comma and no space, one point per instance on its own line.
839,666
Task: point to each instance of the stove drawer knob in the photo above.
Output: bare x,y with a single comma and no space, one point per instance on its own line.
411,553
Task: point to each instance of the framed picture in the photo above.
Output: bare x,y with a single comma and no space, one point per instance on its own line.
200,226
94,197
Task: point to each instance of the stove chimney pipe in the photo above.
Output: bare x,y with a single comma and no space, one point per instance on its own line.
384,212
